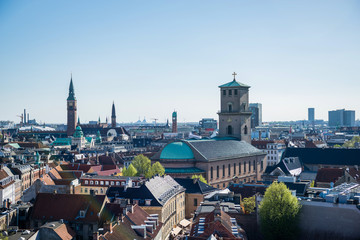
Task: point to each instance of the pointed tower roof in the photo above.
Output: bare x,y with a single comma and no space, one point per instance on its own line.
78,123
234,83
71,91
113,111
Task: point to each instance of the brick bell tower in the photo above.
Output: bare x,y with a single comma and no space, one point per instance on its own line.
174,122
71,110
234,114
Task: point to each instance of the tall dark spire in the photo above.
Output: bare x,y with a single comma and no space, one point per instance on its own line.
113,110
71,91
113,116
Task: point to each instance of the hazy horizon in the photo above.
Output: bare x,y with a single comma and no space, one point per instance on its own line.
155,57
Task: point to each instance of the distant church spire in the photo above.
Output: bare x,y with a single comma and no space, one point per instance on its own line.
71,91
113,116
71,110
78,123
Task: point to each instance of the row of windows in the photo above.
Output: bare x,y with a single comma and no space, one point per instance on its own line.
230,92
224,184
86,190
271,158
234,169
108,183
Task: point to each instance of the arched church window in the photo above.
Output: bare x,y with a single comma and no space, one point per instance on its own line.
245,130
230,107
229,130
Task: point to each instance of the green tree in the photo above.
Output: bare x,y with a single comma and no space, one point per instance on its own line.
142,165
352,143
130,171
337,146
200,177
279,213
249,204
157,168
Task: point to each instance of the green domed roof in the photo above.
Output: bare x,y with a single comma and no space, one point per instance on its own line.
78,132
177,150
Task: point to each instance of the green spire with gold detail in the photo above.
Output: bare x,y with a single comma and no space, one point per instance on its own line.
71,91
98,137
37,158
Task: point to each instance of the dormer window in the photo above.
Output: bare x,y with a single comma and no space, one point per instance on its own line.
86,182
82,213
147,202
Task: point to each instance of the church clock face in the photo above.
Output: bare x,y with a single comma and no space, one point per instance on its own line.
229,120
70,104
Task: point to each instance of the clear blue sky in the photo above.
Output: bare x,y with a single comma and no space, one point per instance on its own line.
152,57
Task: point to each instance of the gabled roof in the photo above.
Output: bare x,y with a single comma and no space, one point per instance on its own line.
195,186
217,222
234,83
50,206
158,189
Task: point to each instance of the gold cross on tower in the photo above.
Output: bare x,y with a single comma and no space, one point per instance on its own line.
234,74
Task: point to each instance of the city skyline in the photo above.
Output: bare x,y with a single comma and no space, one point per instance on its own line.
153,58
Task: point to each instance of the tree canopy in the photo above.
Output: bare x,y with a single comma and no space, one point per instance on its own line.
142,164
354,142
249,204
279,213
130,171
144,168
157,169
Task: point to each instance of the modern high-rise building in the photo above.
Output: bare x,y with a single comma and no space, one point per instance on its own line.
256,117
234,115
342,117
311,114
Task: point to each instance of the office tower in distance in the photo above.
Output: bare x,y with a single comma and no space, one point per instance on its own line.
256,117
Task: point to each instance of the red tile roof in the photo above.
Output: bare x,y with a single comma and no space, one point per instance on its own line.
328,175
216,223
54,174
76,166
50,206
65,232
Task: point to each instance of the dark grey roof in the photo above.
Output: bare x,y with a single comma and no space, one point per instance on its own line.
331,156
212,150
299,187
195,186
160,189
286,165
